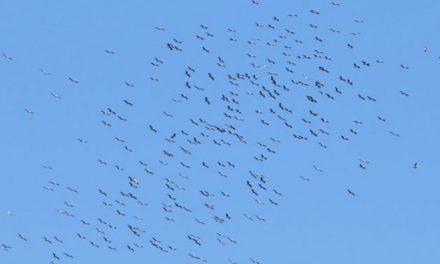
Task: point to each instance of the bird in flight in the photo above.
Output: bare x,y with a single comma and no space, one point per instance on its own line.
351,192
6,56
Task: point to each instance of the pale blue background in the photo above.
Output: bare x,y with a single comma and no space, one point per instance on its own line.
393,219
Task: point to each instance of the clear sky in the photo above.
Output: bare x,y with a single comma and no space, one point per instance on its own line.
392,218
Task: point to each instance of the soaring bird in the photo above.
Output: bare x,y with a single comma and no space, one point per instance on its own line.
73,80
6,56
43,71
404,93
55,96
350,192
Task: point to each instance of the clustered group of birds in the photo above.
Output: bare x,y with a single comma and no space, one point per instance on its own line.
275,90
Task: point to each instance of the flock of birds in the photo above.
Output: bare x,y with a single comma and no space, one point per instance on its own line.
268,93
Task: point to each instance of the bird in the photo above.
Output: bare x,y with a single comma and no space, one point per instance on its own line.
55,96
6,56
55,256
381,118
73,80
152,128
72,189
159,28
304,178
22,237
351,192
394,134
128,102
43,71
29,111
5,247
404,93
47,240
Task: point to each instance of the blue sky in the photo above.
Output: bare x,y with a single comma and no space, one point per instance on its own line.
392,219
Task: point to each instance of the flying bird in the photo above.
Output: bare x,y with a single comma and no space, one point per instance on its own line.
350,192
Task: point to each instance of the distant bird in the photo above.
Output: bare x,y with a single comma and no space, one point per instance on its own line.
71,189
404,66
43,71
55,256
304,178
5,247
381,119
152,128
394,134
47,240
128,102
73,80
254,261
404,93
55,96
316,168
6,56
350,192
29,111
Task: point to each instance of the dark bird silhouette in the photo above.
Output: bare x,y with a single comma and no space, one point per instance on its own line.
350,192
73,80
404,93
